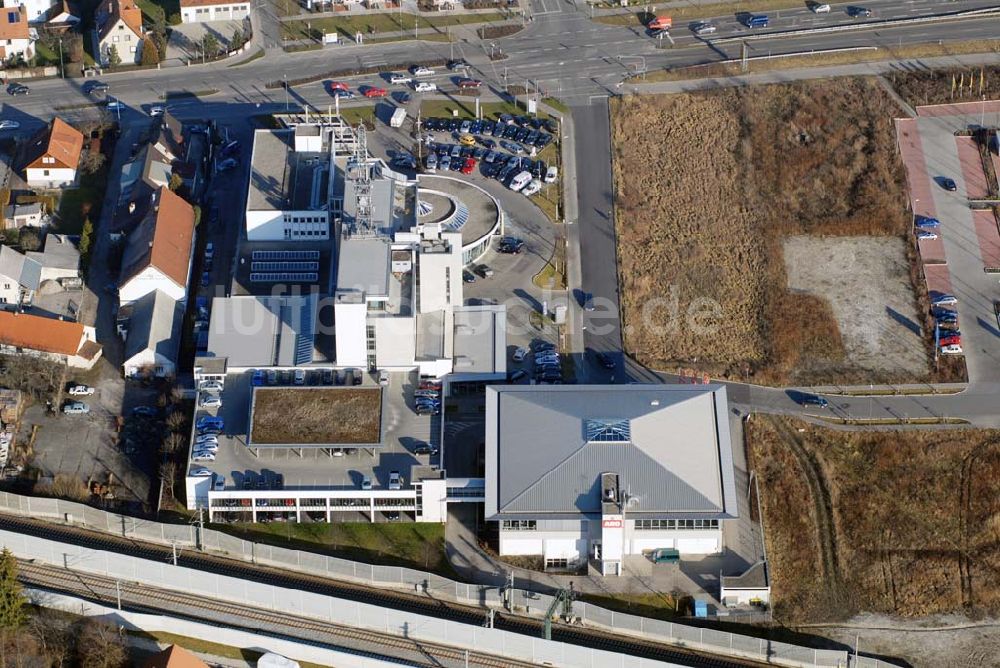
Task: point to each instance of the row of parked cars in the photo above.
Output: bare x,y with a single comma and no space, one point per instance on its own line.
427,398
528,130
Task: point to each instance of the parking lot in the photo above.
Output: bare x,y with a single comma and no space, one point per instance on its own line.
404,431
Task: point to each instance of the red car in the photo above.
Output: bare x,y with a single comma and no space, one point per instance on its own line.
468,165
950,341
338,85
469,83
372,91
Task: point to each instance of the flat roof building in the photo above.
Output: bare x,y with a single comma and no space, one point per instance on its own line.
607,471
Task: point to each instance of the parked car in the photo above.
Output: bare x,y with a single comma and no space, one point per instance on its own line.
520,354
518,375
425,449
76,408
819,8
383,377
485,271
951,350
457,64
533,187
420,71
858,12
210,401
17,89
468,277
814,400
551,174
156,111
468,166
81,391
299,377
399,79
924,235
925,221
203,457
210,386
606,360
200,472
948,184
395,481
944,300
469,83
373,92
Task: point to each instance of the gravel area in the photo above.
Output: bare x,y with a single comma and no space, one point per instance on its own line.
866,281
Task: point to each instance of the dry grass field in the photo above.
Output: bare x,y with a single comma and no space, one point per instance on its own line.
708,186
316,415
921,87
904,523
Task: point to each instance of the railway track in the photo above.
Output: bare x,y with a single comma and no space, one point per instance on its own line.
582,637
142,598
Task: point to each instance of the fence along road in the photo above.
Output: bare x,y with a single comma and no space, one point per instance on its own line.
420,586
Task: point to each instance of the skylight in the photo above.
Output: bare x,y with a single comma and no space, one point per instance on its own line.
605,430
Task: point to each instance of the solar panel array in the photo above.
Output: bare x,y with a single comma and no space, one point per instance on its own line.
284,266
285,255
284,277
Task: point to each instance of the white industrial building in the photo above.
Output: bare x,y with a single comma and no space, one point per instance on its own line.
606,471
368,280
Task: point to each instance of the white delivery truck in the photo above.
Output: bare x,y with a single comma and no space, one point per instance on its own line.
398,117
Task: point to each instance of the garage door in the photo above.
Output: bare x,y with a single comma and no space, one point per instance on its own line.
697,545
240,12
641,545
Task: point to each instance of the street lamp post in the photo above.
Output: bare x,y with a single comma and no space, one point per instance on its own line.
284,79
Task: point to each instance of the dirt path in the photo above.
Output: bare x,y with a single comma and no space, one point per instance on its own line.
822,504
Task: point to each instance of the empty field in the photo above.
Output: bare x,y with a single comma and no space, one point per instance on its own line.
867,283
705,202
309,415
905,523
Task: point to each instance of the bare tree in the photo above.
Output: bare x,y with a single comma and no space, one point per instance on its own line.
99,645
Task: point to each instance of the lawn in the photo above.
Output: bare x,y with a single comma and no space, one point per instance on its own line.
905,522
348,415
703,206
373,25
158,11
418,545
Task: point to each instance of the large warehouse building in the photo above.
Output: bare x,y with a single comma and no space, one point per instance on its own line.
607,471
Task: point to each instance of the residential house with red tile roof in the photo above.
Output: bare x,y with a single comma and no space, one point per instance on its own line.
119,27
159,250
15,34
61,341
37,11
51,158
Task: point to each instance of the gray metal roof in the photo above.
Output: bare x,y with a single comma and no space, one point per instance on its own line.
24,270
59,253
155,325
546,448
363,266
480,343
263,332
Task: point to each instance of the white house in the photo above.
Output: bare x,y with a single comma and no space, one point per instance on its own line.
37,11
20,277
199,11
604,472
153,336
119,28
159,250
60,341
52,156
16,216
15,34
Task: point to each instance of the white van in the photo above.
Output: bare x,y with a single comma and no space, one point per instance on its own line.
424,86
300,377
520,180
